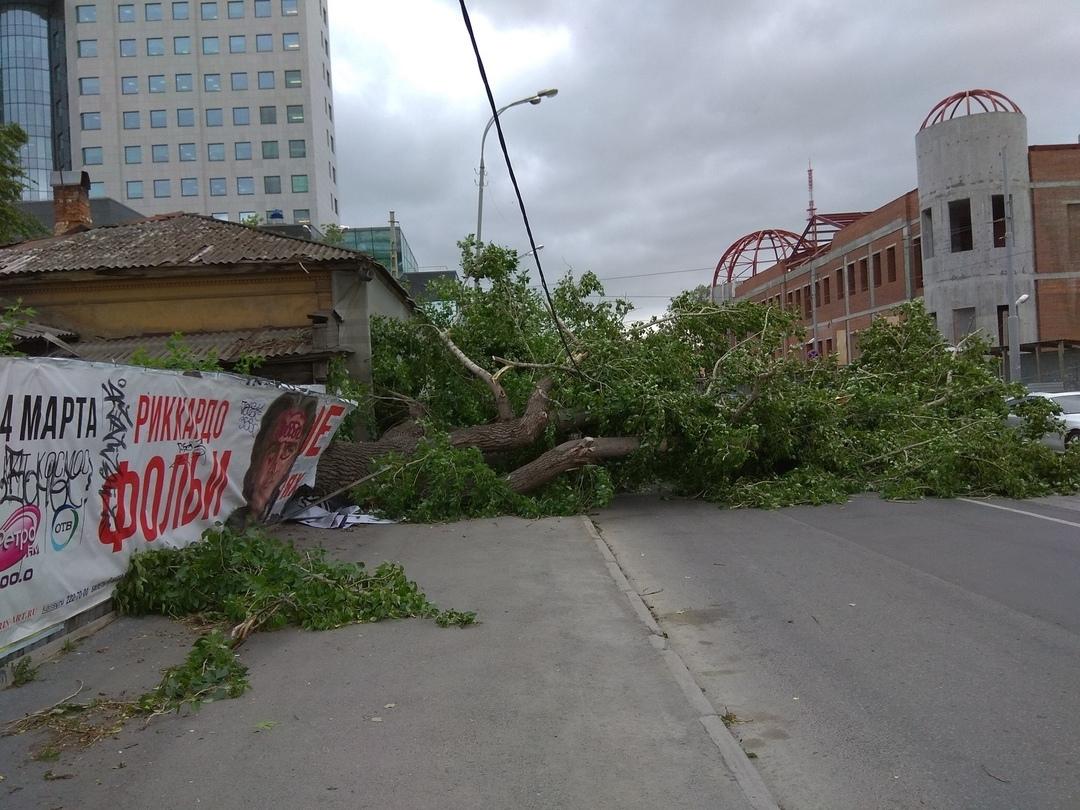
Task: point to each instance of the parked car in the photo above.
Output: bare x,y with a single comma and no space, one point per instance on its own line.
1068,419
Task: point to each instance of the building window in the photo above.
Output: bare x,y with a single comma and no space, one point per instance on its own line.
181,10
864,275
292,78
212,82
839,283
270,150
997,209
264,43
242,150
91,156
266,80
155,46
963,323
152,12
960,226
236,9
128,47
189,187
87,48
131,120
218,187
290,42
272,184
185,117
97,190
916,262
90,86
875,262
129,85
156,83
245,186
221,216
294,113
239,81
215,152
162,188
187,152
289,8
297,148
86,14
238,43
299,183
134,190
185,82
890,264
181,45
926,233
158,119
241,116
132,155
826,293
211,45
215,117
267,115
262,8
208,11
851,279
125,13
159,153
301,216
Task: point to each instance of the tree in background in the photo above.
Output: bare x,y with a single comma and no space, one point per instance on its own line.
14,224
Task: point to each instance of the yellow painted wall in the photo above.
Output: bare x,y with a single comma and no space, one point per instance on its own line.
106,307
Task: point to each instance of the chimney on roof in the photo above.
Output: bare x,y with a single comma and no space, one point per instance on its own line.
71,202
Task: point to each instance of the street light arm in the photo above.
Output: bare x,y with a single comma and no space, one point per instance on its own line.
536,98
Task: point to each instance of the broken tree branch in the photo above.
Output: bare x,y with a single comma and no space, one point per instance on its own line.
502,401
568,456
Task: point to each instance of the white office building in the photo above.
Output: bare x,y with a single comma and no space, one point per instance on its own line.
220,107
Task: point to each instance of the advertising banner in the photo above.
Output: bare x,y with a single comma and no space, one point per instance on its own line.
101,461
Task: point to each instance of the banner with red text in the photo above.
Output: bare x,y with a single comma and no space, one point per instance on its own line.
101,461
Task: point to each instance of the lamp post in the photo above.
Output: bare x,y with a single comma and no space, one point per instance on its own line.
536,98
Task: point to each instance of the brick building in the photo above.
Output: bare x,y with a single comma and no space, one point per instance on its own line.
944,242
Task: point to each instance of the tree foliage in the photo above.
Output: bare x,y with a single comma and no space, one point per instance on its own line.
722,402
14,224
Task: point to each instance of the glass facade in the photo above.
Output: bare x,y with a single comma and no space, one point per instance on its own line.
385,245
26,91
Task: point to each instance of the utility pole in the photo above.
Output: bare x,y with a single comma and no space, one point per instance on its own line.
1015,372
393,246
811,211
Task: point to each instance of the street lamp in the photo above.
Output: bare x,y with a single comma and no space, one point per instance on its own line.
533,99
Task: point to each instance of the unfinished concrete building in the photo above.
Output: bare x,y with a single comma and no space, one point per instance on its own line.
944,242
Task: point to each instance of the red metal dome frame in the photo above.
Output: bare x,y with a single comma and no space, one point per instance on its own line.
765,248
987,101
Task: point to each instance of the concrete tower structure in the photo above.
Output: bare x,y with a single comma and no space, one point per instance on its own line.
963,211
219,107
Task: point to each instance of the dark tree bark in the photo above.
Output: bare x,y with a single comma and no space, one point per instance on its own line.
345,463
568,456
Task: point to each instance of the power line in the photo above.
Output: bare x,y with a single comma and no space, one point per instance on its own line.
517,188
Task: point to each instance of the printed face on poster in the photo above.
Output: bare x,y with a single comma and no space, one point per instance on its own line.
102,461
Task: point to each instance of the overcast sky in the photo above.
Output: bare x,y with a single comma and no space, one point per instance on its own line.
680,125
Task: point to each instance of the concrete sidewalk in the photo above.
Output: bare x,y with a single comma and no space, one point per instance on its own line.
556,699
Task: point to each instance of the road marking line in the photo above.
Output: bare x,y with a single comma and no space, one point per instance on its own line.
1021,512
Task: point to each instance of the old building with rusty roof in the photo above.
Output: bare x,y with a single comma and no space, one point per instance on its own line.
230,289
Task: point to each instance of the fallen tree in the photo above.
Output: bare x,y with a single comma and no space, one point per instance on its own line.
486,398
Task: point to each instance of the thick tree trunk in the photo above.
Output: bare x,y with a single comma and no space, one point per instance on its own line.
568,456
345,462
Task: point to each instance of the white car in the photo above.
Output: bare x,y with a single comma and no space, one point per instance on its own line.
1068,419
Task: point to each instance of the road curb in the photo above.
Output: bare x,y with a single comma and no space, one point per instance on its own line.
746,775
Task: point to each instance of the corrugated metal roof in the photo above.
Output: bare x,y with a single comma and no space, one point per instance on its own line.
29,331
225,346
171,240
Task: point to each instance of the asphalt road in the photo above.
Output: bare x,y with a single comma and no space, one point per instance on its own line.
880,655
